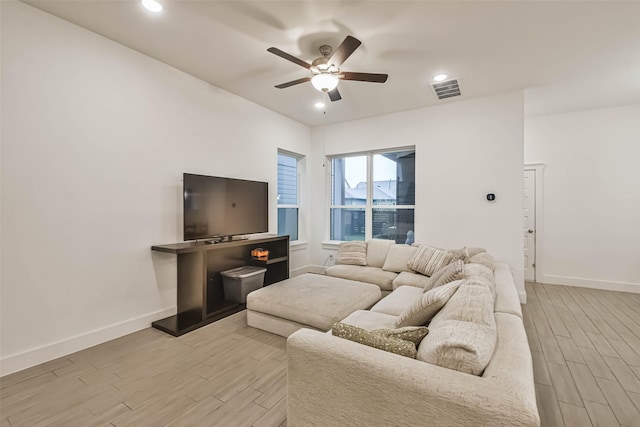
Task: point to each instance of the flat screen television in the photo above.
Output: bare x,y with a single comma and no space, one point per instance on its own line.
216,207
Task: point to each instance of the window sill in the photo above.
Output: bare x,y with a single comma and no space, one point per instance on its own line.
298,245
331,244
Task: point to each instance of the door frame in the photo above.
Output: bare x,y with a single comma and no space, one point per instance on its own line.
538,169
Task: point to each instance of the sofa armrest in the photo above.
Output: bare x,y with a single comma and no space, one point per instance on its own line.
333,381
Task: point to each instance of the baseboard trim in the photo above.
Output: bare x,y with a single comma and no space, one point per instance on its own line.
523,297
29,358
317,269
590,283
302,270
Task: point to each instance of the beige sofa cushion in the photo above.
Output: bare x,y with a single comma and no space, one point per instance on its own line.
462,336
446,274
314,299
398,301
482,273
507,298
377,251
427,305
410,279
465,253
427,260
398,257
373,275
352,253
511,365
370,320
483,258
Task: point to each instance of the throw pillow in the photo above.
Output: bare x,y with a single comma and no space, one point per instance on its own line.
372,339
425,307
427,260
449,273
352,253
415,334
398,258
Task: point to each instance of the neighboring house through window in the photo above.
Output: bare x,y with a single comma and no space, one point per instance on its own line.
373,196
288,197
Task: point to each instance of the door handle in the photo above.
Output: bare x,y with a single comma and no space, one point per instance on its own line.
530,231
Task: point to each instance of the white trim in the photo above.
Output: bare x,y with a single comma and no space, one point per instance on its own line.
298,245
302,270
523,297
36,356
331,245
538,168
582,282
368,207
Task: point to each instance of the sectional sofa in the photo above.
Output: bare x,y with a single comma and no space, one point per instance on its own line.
474,368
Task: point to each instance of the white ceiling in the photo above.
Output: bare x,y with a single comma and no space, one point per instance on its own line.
569,55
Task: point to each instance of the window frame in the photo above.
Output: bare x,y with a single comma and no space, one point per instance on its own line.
369,207
298,158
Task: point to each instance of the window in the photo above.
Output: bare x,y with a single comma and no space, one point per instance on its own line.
288,194
373,196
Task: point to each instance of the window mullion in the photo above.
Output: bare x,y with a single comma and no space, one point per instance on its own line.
368,208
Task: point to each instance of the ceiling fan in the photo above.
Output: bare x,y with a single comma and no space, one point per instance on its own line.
325,71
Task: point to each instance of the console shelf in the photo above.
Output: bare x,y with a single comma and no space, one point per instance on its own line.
200,291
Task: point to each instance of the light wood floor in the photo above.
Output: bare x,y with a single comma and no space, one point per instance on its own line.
585,345
224,374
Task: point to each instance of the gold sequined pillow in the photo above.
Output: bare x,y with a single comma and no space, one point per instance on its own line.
372,339
415,334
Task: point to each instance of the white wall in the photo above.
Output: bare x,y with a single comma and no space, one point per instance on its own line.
591,187
95,138
464,150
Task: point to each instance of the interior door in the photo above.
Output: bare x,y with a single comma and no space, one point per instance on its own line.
529,225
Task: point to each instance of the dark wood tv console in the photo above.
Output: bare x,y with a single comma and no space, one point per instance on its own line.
200,292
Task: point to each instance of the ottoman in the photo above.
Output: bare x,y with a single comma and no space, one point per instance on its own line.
308,301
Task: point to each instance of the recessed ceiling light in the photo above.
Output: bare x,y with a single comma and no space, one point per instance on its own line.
152,5
319,104
439,77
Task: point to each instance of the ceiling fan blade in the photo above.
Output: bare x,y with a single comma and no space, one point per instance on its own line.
365,77
288,57
293,82
348,46
334,95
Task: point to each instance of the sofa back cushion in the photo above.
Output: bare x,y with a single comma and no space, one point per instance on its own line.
427,260
377,251
462,336
427,305
373,275
483,258
398,257
352,253
481,273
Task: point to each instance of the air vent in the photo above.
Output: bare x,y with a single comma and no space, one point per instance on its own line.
446,89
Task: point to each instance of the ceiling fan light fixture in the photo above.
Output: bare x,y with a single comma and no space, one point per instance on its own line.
152,5
325,82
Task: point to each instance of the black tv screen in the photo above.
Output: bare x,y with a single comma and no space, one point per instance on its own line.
222,207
